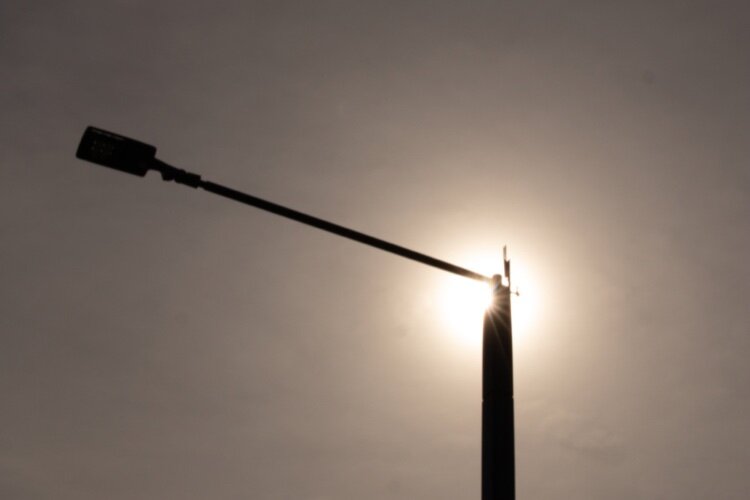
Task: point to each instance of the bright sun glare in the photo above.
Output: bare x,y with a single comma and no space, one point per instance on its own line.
462,302
462,305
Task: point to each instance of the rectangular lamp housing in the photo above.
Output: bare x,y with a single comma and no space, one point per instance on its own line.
116,151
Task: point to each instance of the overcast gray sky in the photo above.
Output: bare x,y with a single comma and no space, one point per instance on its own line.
157,342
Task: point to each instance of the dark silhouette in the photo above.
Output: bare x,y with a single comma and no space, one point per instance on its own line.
498,461
498,452
134,157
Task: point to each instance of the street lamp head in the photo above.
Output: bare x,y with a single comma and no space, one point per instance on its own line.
115,151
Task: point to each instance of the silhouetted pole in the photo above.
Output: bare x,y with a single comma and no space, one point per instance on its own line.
498,461
498,450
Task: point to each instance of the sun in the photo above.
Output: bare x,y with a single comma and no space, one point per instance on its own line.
462,302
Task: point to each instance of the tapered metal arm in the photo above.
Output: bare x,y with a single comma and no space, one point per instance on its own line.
339,230
134,157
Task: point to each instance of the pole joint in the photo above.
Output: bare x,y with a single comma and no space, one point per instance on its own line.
178,175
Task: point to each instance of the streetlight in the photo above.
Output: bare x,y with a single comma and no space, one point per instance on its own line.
498,459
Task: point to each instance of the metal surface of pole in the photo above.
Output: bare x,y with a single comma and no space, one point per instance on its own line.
498,442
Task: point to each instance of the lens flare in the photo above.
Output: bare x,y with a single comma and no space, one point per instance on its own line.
462,302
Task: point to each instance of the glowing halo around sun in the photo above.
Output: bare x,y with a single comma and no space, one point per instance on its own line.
462,302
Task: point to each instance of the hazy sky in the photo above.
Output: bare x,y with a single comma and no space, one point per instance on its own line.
162,343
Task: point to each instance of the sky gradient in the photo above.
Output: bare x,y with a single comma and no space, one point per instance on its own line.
162,343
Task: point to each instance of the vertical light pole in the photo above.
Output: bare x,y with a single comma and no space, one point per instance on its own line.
498,450
498,463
